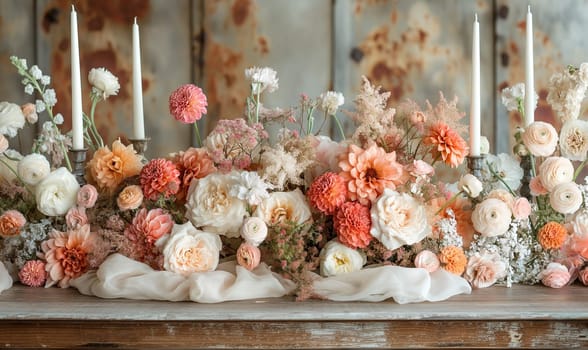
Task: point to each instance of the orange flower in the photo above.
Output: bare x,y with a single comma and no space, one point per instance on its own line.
194,163
327,192
462,211
552,235
11,222
453,259
446,143
159,177
108,169
368,172
352,224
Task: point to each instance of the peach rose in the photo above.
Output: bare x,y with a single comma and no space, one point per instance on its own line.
284,207
554,171
521,208
540,138
484,269
427,260
11,222
555,275
131,197
248,256
30,113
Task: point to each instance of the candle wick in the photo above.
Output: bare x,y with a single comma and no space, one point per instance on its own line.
529,8
476,17
73,9
135,19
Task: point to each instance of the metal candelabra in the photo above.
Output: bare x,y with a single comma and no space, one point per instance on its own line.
475,165
79,164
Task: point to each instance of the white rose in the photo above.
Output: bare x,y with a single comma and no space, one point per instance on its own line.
573,139
398,219
491,217
337,258
554,171
283,208
8,165
11,118
540,138
470,185
566,198
254,230
189,250
105,83
33,168
211,207
57,192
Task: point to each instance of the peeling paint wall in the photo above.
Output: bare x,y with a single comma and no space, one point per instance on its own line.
413,48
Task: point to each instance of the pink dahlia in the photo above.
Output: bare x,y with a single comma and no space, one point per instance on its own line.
159,177
327,192
33,273
352,223
194,163
187,103
149,226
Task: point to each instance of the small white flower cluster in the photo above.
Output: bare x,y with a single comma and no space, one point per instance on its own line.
262,79
567,90
24,247
35,80
513,97
448,228
330,101
50,139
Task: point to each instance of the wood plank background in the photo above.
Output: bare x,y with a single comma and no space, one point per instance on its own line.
413,48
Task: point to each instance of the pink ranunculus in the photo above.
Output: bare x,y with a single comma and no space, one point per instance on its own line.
187,103
521,209
87,196
33,273
76,217
248,256
420,167
583,276
536,187
427,260
555,275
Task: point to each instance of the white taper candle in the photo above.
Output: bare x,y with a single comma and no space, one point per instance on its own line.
138,122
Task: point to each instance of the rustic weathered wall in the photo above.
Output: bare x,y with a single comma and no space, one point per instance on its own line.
412,48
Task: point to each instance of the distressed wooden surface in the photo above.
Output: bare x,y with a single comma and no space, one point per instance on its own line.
518,317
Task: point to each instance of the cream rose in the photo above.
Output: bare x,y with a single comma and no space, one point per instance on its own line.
254,230
211,207
470,185
57,192
554,171
33,168
398,219
427,260
540,138
103,82
566,198
11,119
484,269
491,217
573,139
283,208
131,197
189,250
337,258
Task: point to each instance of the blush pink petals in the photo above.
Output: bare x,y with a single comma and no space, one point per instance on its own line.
87,196
248,256
187,103
33,273
150,225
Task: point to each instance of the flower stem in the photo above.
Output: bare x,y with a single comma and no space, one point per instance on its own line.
198,139
449,202
257,105
339,126
93,123
579,169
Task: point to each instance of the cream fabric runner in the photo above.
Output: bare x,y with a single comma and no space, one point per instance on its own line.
121,277
5,279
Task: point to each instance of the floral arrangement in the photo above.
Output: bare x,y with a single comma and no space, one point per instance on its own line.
299,203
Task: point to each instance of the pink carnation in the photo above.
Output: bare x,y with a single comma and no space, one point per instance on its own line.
87,196
187,103
149,225
159,177
33,273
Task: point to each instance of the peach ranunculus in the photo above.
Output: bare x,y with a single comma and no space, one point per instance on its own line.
131,197
503,195
427,260
368,172
554,171
67,255
11,222
566,198
193,163
447,144
189,250
540,138
248,256
579,245
555,275
491,217
484,269
108,169
398,219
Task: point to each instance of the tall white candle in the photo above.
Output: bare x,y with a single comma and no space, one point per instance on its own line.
138,123
529,73
76,86
475,103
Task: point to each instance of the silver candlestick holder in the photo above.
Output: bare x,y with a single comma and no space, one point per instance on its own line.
526,164
475,165
140,145
78,157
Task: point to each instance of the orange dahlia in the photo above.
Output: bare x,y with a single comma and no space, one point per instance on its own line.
368,172
447,144
552,235
453,259
352,223
108,169
194,163
159,177
327,192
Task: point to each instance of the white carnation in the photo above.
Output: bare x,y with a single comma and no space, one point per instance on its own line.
512,97
249,187
507,169
262,79
330,101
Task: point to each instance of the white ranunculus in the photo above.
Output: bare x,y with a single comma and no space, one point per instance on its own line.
507,168
330,101
105,83
189,250
554,171
566,198
11,119
540,138
398,219
470,185
262,79
491,217
33,168
8,165
211,207
337,258
573,139
57,192
283,208
254,230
